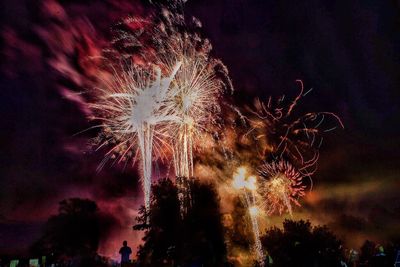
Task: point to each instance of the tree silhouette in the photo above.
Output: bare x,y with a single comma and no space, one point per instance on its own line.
163,233
73,233
205,233
171,238
299,244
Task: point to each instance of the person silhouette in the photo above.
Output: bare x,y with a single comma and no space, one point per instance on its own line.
125,251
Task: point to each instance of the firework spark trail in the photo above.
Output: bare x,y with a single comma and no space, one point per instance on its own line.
133,113
288,136
195,100
256,230
248,187
282,187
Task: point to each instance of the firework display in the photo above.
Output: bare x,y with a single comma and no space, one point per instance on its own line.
190,100
165,99
202,133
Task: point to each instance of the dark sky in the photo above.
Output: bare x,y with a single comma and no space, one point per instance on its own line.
347,51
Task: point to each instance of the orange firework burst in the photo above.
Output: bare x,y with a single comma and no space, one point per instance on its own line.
282,186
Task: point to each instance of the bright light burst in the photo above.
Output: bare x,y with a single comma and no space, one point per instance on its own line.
133,114
254,211
247,184
282,187
239,178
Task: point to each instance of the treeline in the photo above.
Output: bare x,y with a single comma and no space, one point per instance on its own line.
197,234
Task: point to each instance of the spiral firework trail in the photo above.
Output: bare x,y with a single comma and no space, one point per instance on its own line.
134,116
282,186
287,135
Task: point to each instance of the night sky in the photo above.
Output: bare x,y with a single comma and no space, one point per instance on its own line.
348,52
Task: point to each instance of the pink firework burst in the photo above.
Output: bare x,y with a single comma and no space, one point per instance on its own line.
282,186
